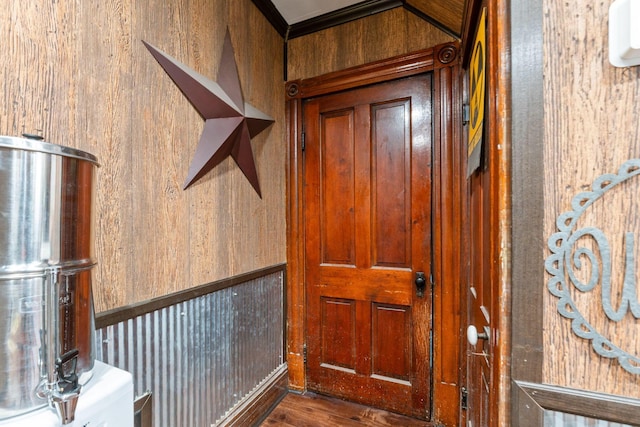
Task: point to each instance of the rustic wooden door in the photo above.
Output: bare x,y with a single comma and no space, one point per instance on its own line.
367,196
479,305
488,219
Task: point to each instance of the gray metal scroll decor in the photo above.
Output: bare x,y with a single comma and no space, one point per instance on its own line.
568,256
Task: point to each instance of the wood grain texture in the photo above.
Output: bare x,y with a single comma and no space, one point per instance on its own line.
449,267
591,128
446,133
499,159
312,410
362,147
527,190
78,74
296,298
449,13
377,37
103,110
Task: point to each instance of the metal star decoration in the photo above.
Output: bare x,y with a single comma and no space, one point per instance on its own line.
230,123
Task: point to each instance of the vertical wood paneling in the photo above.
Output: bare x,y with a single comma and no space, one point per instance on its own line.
259,53
377,37
77,73
209,200
449,265
591,128
161,142
38,39
103,82
296,301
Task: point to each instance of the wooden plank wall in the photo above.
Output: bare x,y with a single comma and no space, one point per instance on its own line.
78,74
376,37
591,128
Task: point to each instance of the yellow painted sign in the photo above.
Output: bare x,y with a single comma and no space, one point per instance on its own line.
477,88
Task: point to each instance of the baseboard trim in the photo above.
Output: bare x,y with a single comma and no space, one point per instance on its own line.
619,409
254,408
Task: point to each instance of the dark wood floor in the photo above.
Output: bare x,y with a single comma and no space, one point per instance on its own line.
314,410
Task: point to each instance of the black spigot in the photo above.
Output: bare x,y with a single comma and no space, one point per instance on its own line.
66,368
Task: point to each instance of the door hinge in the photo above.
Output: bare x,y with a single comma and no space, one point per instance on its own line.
466,114
304,353
431,281
464,404
303,142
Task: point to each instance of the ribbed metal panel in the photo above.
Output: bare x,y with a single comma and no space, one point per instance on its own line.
200,357
561,419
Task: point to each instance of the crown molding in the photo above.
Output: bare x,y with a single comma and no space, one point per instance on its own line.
322,22
273,16
342,16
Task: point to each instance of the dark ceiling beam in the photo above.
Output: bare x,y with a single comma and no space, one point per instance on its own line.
419,13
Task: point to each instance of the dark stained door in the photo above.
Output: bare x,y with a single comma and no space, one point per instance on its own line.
480,298
367,195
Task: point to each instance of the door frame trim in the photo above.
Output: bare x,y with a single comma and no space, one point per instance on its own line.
527,196
443,61
499,106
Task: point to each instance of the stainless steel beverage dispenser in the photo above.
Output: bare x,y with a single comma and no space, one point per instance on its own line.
46,266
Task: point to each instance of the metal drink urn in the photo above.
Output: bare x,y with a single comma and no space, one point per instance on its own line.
46,267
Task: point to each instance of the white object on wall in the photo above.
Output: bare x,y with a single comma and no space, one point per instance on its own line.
624,33
106,401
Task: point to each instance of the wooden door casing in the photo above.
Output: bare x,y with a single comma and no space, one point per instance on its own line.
480,355
367,211
489,224
449,212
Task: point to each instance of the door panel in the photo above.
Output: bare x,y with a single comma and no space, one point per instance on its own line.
480,296
367,196
338,333
391,343
338,220
391,178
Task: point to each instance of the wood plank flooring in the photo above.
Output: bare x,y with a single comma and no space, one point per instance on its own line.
314,410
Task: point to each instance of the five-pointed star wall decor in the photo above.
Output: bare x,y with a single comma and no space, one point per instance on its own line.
230,123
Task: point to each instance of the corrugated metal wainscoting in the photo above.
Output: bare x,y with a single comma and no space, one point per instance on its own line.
560,419
199,357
